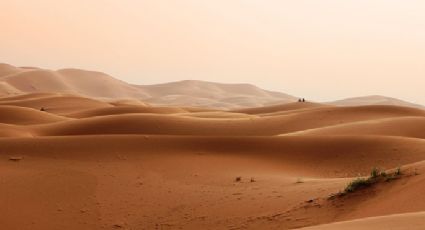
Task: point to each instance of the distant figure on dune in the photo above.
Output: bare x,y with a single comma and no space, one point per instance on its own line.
303,100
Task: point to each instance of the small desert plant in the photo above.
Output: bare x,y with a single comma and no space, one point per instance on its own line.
357,183
238,179
299,181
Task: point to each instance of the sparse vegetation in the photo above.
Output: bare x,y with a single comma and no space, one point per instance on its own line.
397,173
299,181
375,175
358,183
238,179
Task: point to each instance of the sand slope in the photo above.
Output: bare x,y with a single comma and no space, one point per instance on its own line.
140,181
7,130
26,116
411,221
400,126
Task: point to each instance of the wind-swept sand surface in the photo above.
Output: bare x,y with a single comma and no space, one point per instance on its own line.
72,162
411,221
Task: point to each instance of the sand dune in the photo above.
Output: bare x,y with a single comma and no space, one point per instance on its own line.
151,124
87,83
18,98
188,93
374,100
128,102
245,126
20,80
55,103
279,108
26,116
400,126
124,163
6,69
218,114
7,89
212,95
126,110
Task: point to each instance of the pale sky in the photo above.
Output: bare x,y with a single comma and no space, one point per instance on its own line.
319,49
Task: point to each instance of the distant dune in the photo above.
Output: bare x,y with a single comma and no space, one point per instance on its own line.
54,103
213,95
187,93
15,80
87,83
280,108
374,100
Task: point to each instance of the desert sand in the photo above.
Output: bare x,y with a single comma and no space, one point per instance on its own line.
76,157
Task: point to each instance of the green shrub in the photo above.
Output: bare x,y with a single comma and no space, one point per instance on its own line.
375,176
357,183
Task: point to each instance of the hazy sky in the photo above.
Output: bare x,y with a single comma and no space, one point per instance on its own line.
319,49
